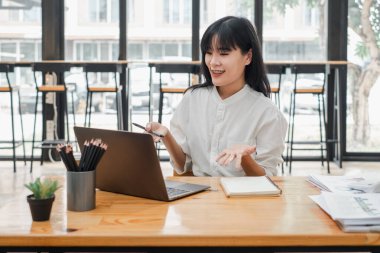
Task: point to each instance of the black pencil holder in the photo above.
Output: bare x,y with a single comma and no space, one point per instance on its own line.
81,190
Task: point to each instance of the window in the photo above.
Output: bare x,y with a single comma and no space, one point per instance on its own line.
211,10
171,49
27,51
8,51
98,51
294,31
89,52
363,81
105,50
160,29
135,51
91,34
204,11
103,11
186,50
177,11
23,11
131,11
20,40
115,50
155,51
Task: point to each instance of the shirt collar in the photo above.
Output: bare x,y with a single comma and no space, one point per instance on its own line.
232,99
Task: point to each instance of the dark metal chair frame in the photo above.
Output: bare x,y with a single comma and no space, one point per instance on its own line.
44,89
173,68
319,93
7,68
91,89
280,71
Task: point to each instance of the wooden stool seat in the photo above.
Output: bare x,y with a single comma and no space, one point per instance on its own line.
102,89
275,89
51,88
9,88
5,89
173,89
309,90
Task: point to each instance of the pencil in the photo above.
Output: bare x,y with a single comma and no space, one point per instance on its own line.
63,156
156,134
71,157
83,155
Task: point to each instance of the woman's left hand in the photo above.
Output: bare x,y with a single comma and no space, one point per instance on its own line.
235,152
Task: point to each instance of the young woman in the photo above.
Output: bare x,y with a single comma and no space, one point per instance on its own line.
227,126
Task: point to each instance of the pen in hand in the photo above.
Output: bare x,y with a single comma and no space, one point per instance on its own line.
140,126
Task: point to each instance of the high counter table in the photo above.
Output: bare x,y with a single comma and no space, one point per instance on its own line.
334,88
205,222
123,80
334,102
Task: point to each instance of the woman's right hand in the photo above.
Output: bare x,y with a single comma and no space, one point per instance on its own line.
158,129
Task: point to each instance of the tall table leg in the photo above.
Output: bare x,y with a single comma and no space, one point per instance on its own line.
151,94
337,116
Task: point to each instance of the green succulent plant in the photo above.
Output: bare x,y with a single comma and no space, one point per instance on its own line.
43,189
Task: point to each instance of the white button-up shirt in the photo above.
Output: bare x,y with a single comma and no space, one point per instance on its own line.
204,125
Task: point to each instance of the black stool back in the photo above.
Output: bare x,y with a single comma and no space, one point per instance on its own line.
279,70
6,69
115,68
173,68
43,89
317,90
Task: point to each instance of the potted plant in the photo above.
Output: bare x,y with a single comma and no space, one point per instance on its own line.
41,201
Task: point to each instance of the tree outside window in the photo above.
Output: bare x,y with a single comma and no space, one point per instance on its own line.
363,124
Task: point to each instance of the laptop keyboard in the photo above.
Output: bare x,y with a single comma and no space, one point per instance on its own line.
175,191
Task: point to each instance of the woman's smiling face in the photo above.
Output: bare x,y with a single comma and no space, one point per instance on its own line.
227,67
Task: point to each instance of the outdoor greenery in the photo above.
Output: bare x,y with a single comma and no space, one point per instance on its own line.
364,21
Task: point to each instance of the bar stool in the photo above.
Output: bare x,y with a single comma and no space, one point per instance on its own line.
174,68
93,87
7,68
318,91
276,70
44,89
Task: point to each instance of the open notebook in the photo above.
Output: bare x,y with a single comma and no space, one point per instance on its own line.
249,186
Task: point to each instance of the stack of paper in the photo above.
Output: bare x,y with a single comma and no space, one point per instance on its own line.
352,212
345,184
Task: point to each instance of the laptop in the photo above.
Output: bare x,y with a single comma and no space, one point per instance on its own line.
130,166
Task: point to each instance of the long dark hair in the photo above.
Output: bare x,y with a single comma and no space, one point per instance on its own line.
236,32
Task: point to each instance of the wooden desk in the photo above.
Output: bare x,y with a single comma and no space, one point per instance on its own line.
203,222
